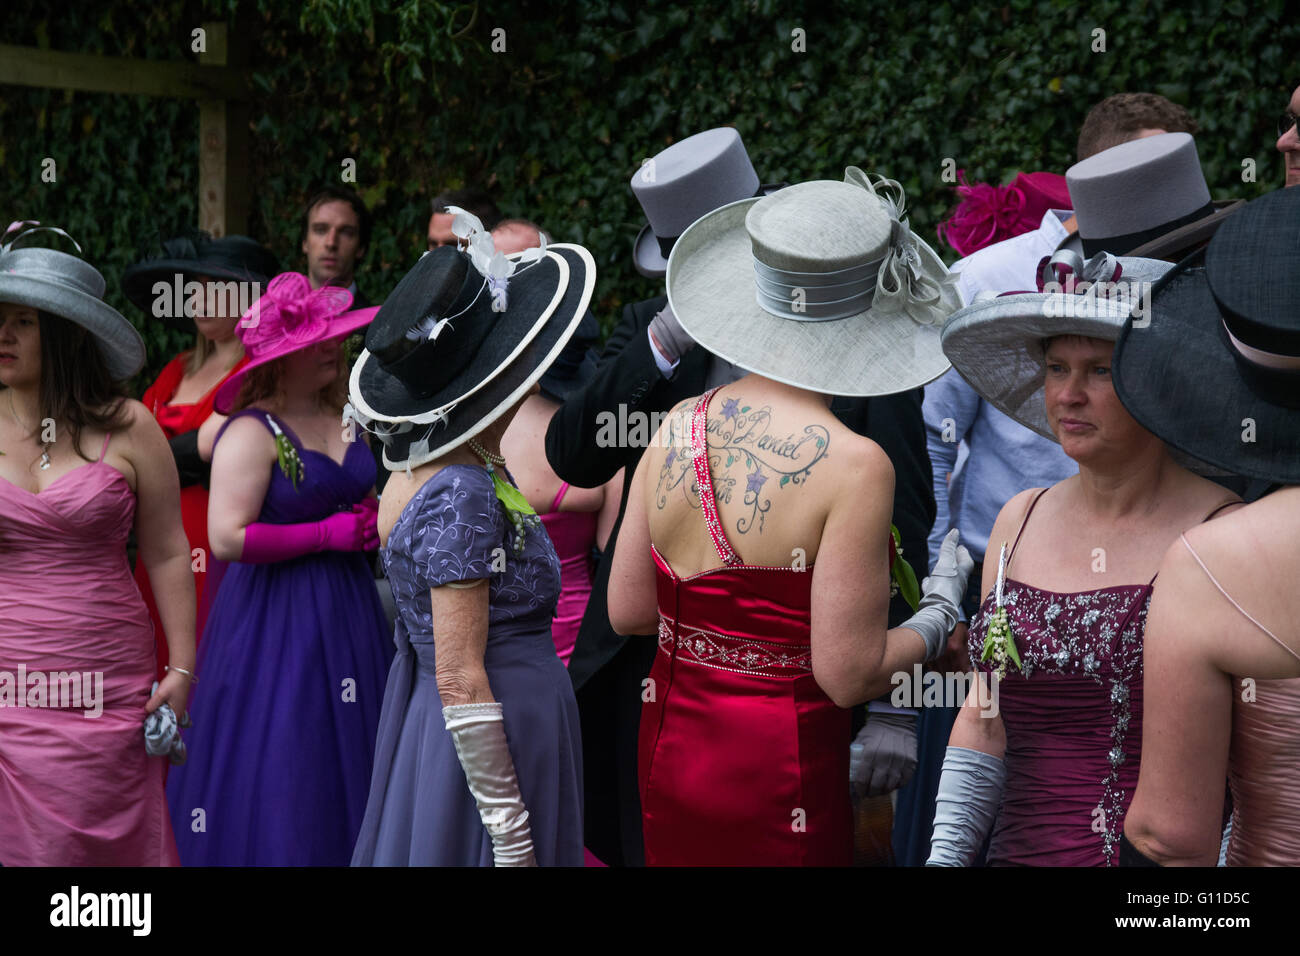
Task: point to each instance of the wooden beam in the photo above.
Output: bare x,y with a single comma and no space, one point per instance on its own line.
224,198
29,66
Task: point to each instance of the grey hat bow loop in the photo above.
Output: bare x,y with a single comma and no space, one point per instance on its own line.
902,284
18,231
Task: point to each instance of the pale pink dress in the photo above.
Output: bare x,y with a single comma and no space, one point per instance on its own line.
76,790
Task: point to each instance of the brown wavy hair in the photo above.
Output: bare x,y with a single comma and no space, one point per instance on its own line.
76,390
263,383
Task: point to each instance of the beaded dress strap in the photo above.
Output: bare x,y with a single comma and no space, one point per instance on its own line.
700,455
1244,613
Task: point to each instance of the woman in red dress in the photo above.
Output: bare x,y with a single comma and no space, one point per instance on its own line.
203,285
745,727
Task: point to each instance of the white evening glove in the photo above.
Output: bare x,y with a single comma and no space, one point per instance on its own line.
941,596
970,792
479,734
883,756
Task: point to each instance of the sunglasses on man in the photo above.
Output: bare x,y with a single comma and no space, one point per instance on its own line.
1285,124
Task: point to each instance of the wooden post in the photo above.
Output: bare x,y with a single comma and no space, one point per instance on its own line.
223,148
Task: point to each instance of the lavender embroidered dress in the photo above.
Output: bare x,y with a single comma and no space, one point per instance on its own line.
420,811
291,670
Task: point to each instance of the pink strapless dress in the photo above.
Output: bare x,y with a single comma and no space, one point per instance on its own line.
76,789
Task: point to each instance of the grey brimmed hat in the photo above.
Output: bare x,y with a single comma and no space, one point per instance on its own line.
822,286
1145,198
996,343
71,288
683,182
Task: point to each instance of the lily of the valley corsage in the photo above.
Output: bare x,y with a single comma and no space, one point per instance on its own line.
999,642
291,465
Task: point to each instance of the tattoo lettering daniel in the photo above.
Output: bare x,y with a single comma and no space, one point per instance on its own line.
742,445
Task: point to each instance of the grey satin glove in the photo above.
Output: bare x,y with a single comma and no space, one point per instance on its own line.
941,596
970,792
883,756
479,734
667,331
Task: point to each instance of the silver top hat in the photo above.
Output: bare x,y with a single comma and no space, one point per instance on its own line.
682,183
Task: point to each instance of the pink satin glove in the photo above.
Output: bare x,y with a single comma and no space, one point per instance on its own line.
355,530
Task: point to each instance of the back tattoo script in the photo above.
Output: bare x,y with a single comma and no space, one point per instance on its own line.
739,433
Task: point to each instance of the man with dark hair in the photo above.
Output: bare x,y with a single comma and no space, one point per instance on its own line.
471,200
335,233
1126,116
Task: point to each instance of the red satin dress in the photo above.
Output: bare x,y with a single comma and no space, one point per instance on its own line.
742,759
176,420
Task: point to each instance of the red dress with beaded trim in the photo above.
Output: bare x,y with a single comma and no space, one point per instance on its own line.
742,760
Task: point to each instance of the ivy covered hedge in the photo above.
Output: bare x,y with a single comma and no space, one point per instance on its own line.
557,123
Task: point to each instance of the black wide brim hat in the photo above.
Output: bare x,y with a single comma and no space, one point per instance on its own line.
1183,378
576,364
230,258
422,409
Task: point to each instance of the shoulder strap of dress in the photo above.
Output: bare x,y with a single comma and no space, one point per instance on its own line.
559,496
1246,614
104,447
260,415
704,480
1024,521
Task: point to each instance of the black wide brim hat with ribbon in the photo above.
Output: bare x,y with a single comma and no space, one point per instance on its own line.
1216,372
440,365
230,258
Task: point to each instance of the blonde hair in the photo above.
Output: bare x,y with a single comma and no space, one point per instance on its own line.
203,347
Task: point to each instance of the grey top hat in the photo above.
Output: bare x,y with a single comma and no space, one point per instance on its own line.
682,183
1146,198
821,285
73,289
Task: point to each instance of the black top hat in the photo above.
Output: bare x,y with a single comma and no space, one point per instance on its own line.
1216,373
441,363
236,258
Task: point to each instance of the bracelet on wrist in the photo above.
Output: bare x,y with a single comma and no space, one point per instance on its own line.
182,670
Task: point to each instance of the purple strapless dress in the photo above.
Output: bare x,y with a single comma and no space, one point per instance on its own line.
292,667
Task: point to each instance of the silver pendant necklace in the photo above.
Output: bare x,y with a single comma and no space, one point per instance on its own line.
45,447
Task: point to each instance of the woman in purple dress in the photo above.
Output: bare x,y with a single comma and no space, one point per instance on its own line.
1050,768
479,757
294,651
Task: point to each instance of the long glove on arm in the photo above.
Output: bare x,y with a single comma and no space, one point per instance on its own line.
970,792
479,733
942,593
355,530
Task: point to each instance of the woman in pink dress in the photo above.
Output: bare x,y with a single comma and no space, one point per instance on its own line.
1222,652
1046,760
81,466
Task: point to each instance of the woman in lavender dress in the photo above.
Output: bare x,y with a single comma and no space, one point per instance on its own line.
1051,768
479,757
295,648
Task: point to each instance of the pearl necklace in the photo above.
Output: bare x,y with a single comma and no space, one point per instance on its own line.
486,455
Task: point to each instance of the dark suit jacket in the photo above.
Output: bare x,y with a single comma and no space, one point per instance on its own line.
627,374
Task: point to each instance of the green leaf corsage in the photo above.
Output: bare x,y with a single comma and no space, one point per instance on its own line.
291,464
999,642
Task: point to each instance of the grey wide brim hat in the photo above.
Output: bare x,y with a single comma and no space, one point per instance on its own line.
996,344
713,291
72,289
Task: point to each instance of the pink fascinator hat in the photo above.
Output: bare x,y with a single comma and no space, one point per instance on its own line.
987,214
289,316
